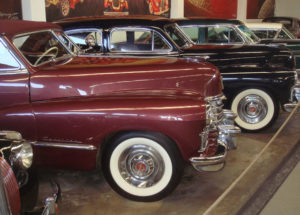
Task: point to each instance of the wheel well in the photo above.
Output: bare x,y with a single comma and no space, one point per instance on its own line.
112,136
231,95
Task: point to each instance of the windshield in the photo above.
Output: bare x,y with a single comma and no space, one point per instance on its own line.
249,35
41,47
177,36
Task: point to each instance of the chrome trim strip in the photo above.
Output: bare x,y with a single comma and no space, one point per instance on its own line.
16,72
234,73
66,146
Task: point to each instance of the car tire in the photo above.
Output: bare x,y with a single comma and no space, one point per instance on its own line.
142,166
256,109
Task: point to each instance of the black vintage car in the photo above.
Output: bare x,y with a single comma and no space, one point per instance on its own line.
257,79
235,32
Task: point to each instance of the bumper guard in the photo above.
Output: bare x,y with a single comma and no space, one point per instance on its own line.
294,99
227,133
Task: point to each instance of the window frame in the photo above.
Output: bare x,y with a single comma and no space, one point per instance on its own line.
41,31
216,26
153,51
78,30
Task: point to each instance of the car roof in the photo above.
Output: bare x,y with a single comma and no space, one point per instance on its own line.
110,21
202,21
10,28
268,25
275,18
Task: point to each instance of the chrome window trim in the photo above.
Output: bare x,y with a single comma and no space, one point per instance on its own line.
20,70
287,32
41,31
68,145
160,51
218,25
267,30
78,30
273,29
185,36
69,39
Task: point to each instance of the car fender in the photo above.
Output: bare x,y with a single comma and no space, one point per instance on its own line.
88,121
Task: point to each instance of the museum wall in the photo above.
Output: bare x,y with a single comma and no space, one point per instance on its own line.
288,7
240,9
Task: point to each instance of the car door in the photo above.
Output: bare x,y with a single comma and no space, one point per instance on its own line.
15,106
14,88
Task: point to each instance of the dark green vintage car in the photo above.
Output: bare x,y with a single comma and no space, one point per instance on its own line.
271,33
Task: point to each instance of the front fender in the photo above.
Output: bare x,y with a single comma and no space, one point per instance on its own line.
279,84
88,121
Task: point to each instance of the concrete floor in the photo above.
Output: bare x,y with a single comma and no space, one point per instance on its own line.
287,199
88,193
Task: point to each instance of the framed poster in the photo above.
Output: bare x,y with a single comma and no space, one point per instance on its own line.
260,9
10,9
223,9
59,9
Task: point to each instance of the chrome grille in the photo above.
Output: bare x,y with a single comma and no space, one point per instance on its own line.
214,110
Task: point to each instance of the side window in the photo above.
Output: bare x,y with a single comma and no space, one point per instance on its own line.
136,40
87,40
263,34
283,35
223,35
7,61
271,33
64,39
192,32
159,43
213,34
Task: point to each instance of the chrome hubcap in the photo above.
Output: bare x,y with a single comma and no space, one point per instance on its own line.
252,109
141,166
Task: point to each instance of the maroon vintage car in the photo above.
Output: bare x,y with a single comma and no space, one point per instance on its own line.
140,118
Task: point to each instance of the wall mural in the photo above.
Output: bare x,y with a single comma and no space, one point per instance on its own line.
59,9
10,9
226,9
260,9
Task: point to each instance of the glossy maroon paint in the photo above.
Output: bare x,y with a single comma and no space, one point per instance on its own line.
85,100
11,186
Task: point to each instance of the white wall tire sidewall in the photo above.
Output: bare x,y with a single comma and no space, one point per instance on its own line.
268,118
124,185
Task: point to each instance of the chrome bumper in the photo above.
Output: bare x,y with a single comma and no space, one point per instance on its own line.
227,133
294,99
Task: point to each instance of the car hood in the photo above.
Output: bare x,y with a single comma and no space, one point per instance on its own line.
102,76
247,58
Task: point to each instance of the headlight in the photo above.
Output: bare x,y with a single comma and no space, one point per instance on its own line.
22,155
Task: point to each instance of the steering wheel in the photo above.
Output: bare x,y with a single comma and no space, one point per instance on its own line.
45,53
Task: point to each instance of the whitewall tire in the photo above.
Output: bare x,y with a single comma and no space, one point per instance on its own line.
255,108
142,166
